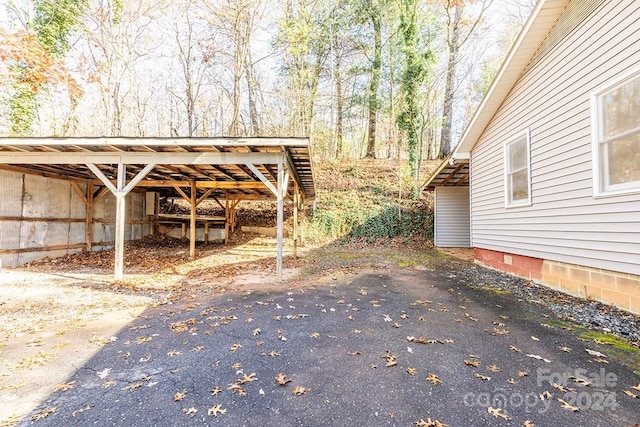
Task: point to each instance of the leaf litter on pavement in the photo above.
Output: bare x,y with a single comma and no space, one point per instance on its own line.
207,326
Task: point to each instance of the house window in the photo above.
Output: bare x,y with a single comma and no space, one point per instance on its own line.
517,171
616,137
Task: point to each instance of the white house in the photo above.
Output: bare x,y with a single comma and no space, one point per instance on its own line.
545,181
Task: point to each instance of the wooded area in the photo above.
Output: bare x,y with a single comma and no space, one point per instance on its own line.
362,78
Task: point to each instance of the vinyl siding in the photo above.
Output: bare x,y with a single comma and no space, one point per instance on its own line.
565,222
452,217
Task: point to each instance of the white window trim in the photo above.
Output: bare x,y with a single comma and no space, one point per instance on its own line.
596,125
519,203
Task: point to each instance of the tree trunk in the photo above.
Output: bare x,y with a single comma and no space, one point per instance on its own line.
374,83
339,111
449,91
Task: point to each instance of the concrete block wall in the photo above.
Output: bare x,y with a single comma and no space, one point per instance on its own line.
24,196
609,287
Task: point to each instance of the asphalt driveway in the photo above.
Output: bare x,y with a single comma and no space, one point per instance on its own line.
405,347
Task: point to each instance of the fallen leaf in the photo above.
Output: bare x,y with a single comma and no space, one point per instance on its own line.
535,356
514,348
314,335
81,410
247,378
216,390
595,353
523,374
412,371
582,381
528,423
433,379
512,381
197,349
256,332
234,348
559,387
133,386
235,388
44,413
636,387
190,411
631,394
565,349
473,363
387,318
483,377
390,359
180,395
545,395
429,423
215,410
353,353
64,386
497,413
535,338
493,368
300,390
566,405
174,353
282,379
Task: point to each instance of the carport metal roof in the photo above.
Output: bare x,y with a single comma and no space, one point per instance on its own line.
238,168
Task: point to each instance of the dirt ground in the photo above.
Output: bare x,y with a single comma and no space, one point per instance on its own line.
76,347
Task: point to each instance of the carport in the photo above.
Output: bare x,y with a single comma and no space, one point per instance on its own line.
227,170
450,184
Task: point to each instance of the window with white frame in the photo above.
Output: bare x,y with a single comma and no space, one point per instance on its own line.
517,171
616,137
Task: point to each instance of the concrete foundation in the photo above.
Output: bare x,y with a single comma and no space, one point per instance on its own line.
43,217
609,287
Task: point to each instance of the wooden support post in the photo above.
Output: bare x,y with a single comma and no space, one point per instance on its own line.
88,225
120,190
120,221
183,235
280,219
226,220
296,199
192,223
206,231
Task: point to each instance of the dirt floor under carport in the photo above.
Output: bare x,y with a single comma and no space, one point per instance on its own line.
355,334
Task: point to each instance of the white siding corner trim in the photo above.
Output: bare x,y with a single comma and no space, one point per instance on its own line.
452,220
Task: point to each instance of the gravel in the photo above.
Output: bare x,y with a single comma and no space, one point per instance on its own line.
592,314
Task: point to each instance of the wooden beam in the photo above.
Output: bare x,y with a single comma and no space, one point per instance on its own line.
41,249
79,192
263,178
214,185
100,194
204,196
138,158
40,219
183,194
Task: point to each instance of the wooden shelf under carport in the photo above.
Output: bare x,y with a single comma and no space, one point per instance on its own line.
183,220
